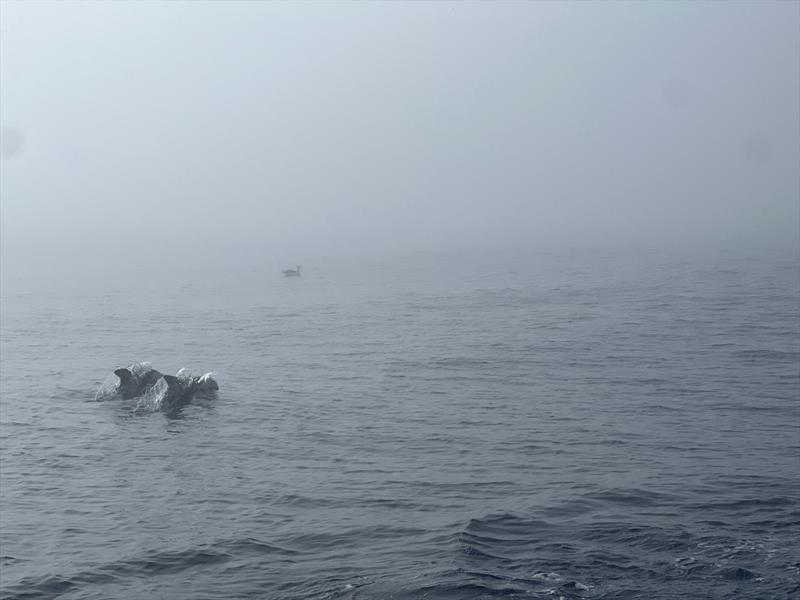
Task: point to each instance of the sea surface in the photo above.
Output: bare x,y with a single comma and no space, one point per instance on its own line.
554,425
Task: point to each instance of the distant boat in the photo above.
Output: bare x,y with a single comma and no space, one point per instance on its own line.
292,272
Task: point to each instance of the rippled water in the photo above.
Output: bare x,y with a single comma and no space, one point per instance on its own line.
577,426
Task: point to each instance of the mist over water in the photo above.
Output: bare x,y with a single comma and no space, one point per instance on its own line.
173,133
546,338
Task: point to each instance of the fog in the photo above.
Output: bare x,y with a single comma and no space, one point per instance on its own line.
262,133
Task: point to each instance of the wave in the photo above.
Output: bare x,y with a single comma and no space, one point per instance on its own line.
767,356
149,565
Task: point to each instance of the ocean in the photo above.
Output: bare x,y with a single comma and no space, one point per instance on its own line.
549,425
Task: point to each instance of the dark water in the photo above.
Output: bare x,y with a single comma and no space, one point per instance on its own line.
574,426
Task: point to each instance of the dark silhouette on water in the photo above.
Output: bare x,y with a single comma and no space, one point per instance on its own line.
181,390
292,272
136,380
140,379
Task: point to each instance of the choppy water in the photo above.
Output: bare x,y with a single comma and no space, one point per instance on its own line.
586,426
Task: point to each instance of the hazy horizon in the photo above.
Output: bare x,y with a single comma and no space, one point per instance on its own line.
275,132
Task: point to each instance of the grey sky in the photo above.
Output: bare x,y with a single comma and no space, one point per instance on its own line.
289,130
